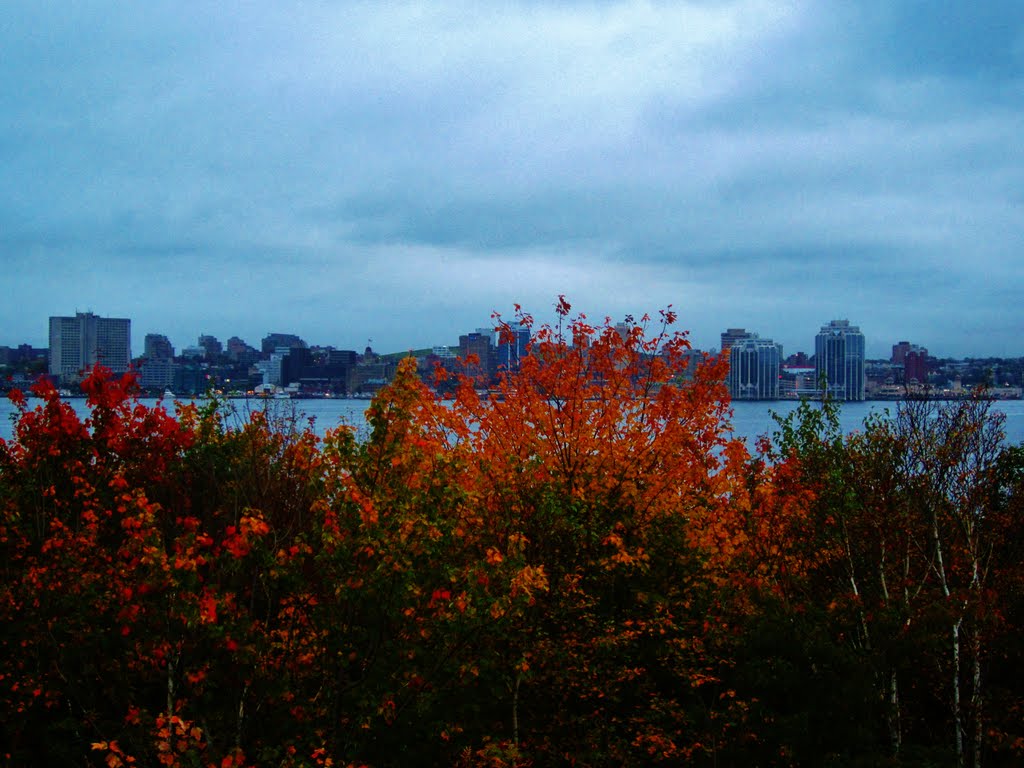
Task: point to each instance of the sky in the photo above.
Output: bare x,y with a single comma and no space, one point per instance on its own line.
393,173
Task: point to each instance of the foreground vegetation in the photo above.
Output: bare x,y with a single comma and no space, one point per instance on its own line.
581,570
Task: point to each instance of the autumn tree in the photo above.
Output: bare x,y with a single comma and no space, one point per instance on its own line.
575,566
905,541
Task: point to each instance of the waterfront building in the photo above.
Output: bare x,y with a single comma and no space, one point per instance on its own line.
21,354
78,343
270,369
732,335
212,348
272,341
481,346
156,369
797,382
913,359
915,366
156,372
346,357
294,361
839,360
240,352
513,347
191,378
899,352
754,368
158,347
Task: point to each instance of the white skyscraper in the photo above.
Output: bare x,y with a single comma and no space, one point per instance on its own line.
80,342
754,365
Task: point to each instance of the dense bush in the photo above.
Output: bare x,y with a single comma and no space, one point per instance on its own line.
576,569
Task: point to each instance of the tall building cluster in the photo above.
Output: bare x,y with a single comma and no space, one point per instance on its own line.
755,364
283,361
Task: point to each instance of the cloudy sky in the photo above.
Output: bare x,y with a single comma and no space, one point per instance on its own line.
397,171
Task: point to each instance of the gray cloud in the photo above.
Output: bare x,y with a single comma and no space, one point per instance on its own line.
395,172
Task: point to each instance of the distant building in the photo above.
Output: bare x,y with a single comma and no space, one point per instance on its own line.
344,357
272,341
192,378
797,382
80,342
839,360
156,369
332,371
156,372
915,366
512,347
23,353
212,348
294,361
798,360
732,335
370,375
913,360
271,369
754,366
899,352
158,347
240,352
480,345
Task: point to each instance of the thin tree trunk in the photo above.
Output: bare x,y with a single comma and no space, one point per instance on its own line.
957,724
895,731
171,664
515,709
241,718
976,698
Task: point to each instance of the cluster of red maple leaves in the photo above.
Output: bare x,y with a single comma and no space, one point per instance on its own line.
579,568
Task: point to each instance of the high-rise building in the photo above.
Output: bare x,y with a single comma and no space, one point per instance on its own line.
80,342
839,360
731,335
754,367
513,346
481,346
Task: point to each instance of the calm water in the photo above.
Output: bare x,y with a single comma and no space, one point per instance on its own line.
749,419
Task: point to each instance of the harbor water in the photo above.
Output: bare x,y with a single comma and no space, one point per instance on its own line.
749,419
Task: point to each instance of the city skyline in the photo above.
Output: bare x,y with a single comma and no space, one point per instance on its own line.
140,339
286,365
350,172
